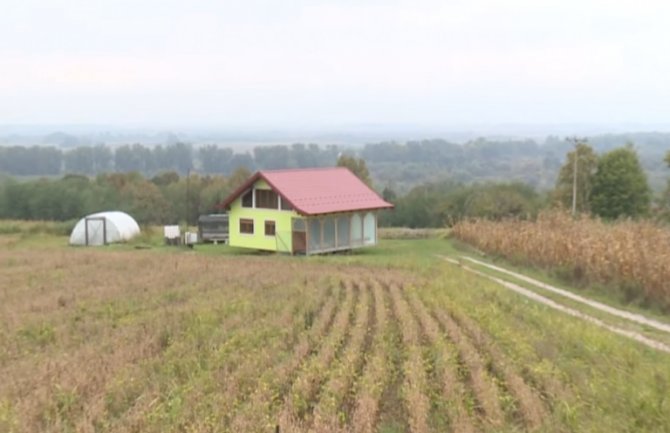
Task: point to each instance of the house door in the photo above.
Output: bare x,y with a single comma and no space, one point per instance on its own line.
96,231
299,236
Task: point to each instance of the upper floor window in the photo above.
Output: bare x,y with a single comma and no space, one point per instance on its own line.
248,199
266,199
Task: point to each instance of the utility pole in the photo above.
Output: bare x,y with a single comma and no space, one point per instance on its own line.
574,181
188,196
575,168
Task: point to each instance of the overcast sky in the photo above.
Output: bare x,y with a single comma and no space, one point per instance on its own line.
325,63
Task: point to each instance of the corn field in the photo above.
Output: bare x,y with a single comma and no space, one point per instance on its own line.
629,255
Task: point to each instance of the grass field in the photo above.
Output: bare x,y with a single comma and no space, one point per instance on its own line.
387,340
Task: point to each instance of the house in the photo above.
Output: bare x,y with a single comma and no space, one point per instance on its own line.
303,211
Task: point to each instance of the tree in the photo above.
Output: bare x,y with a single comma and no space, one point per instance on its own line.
132,158
102,158
587,163
239,176
389,195
244,160
29,161
144,201
165,178
303,157
79,160
214,192
620,185
357,167
498,201
215,159
272,157
180,156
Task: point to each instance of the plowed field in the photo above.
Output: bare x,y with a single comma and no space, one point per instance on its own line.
142,341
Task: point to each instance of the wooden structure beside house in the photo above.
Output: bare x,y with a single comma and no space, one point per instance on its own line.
213,228
304,211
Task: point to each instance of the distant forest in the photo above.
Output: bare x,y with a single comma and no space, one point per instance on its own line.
393,165
432,183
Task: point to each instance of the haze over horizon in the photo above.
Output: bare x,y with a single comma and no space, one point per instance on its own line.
318,64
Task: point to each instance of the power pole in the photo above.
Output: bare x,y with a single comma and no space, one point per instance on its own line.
575,169
574,181
188,196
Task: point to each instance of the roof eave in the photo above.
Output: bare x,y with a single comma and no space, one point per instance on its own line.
232,196
248,184
361,209
278,191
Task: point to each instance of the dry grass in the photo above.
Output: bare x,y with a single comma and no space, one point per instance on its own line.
81,321
633,256
408,233
105,340
18,227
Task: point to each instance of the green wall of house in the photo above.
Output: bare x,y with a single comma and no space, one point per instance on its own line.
281,241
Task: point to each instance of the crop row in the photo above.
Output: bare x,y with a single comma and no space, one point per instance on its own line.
235,351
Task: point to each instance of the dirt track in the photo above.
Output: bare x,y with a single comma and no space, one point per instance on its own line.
575,313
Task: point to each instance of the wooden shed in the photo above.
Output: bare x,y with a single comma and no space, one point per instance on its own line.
213,228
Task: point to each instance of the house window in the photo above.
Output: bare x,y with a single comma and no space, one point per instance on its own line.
266,199
247,226
285,205
269,228
248,199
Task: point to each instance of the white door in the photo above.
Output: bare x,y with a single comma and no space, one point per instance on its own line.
95,231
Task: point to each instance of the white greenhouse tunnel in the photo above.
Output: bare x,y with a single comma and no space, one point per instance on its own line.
104,228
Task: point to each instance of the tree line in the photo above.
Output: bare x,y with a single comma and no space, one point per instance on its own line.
150,160
166,198
398,165
610,184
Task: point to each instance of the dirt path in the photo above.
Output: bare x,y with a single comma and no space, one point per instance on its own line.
575,313
591,303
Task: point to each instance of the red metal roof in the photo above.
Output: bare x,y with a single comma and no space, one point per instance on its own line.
314,191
